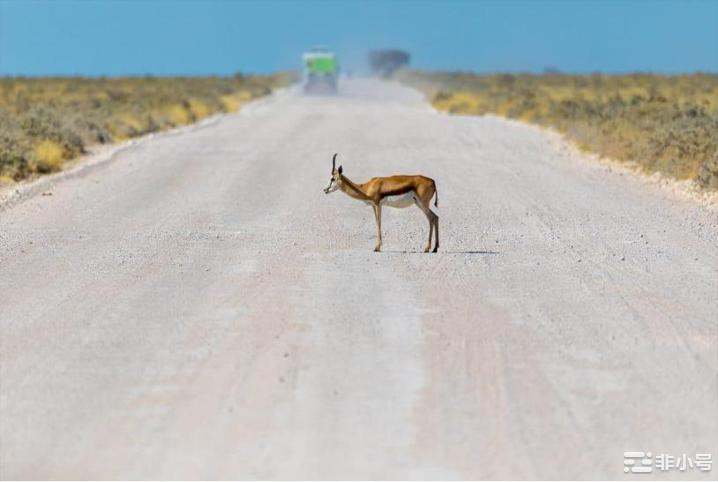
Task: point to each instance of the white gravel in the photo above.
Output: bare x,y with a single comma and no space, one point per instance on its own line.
196,307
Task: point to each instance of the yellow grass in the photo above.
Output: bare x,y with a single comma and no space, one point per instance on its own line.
198,109
667,124
179,115
233,102
46,120
125,125
48,157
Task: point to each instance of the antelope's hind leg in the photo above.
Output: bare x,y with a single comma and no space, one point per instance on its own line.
433,219
377,215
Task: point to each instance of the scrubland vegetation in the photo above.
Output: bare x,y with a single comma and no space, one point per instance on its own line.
666,124
46,121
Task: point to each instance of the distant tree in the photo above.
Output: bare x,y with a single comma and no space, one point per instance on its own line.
384,62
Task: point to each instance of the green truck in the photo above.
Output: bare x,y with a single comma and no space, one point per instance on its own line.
321,71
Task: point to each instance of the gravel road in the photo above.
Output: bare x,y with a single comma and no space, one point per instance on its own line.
197,307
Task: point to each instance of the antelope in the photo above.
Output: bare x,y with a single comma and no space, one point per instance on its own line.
392,191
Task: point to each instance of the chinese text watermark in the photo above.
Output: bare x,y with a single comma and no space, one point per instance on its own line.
647,462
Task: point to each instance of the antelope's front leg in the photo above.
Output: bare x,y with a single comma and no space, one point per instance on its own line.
377,215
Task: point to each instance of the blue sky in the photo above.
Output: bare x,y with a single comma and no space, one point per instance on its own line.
222,37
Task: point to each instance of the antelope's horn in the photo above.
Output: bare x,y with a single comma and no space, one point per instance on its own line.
334,161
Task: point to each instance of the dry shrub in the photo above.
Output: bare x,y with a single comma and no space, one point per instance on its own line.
667,124
15,147
198,109
74,112
708,173
233,102
178,115
124,125
48,156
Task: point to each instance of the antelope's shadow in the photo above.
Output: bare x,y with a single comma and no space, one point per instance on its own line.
409,251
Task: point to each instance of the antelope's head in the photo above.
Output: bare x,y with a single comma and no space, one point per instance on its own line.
335,181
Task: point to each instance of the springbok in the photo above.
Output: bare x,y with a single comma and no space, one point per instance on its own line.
392,191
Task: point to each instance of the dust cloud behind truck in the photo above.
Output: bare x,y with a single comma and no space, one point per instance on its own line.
384,62
320,71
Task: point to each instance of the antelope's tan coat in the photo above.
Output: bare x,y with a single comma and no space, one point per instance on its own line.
394,191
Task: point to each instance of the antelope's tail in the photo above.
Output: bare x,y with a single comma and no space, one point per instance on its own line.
436,199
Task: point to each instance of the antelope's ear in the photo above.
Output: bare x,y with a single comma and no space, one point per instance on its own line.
340,170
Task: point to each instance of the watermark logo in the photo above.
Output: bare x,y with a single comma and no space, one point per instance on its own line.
638,462
647,462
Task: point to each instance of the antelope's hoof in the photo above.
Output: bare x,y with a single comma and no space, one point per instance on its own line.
377,249
426,250
436,249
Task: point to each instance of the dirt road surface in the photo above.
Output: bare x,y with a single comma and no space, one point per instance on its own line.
197,307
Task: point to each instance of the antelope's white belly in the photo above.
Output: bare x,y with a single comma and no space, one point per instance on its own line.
400,201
